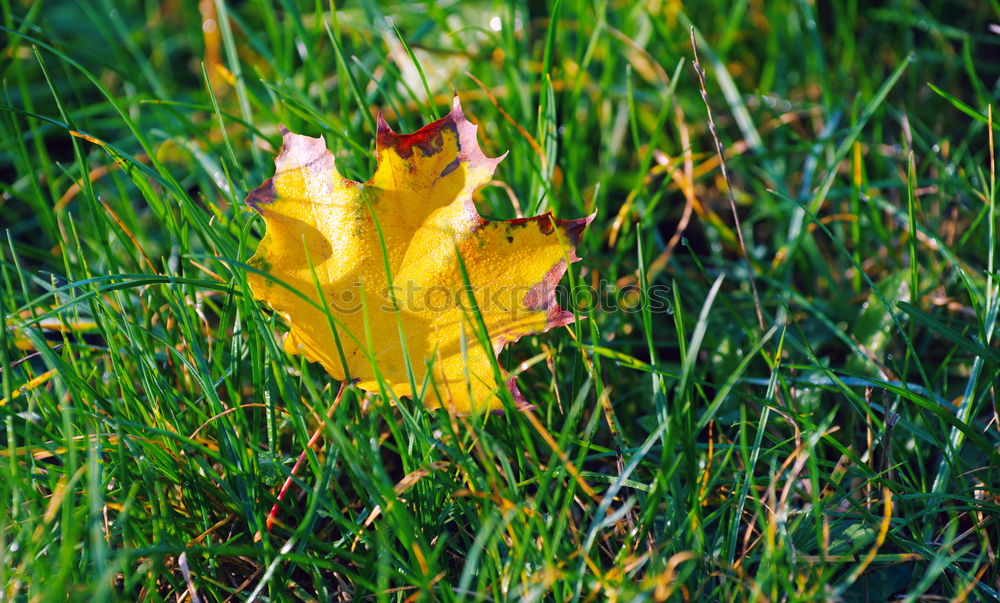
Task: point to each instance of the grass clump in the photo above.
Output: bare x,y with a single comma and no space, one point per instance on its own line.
847,450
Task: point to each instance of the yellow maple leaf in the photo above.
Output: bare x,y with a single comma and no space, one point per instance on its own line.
387,256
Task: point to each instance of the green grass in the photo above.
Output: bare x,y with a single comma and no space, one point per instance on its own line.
848,449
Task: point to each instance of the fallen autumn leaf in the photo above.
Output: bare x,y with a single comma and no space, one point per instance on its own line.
386,254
